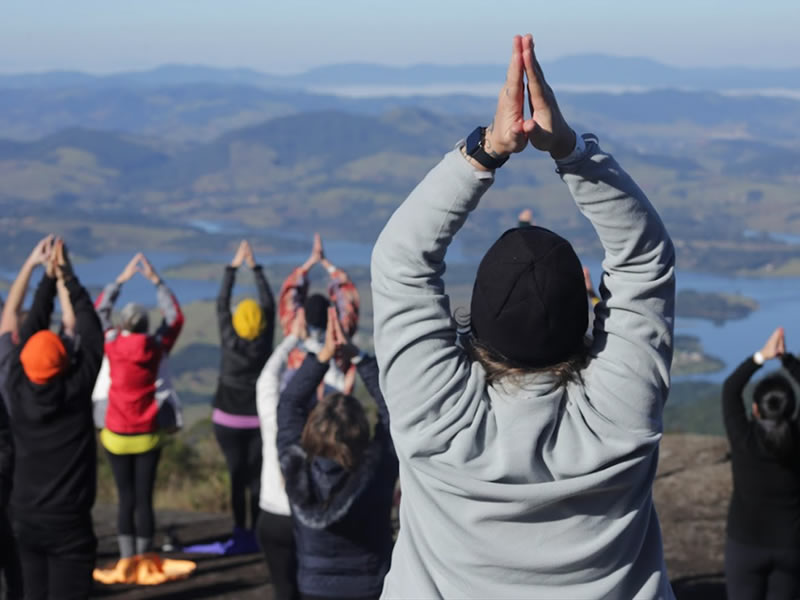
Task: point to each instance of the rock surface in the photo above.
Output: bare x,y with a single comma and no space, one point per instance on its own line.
692,490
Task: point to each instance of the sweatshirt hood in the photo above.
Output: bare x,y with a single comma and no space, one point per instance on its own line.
321,491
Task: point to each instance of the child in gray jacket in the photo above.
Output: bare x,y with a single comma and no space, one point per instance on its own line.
527,455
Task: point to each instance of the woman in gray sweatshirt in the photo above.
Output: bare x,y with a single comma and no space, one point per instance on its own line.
527,454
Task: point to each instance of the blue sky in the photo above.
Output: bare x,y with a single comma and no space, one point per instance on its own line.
292,35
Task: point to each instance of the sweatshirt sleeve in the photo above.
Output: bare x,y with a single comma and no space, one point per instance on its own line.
627,378
268,383
344,295
227,335
90,336
297,401
104,305
291,298
267,302
41,310
172,323
431,390
733,413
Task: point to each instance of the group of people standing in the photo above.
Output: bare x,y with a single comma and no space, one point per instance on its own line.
526,442
320,484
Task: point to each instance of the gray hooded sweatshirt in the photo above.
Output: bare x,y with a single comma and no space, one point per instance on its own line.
534,490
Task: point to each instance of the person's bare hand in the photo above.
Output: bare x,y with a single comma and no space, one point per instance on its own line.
345,349
60,259
40,255
239,257
775,345
317,251
299,327
507,133
547,129
329,347
146,269
249,257
130,269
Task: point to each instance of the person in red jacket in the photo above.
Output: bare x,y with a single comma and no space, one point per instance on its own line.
131,434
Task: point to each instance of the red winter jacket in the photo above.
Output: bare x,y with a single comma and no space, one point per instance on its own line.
134,359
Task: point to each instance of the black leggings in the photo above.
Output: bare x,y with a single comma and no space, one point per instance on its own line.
135,476
756,572
242,450
276,538
10,568
57,555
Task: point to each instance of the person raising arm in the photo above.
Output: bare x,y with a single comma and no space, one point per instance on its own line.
527,455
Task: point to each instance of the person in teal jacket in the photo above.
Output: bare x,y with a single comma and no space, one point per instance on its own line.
527,453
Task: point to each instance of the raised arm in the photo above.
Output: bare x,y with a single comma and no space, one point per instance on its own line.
67,312
88,330
733,413
104,305
627,379
297,401
172,321
368,371
269,381
41,309
265,297
9,319
227,334
630,359
344,295
427,380
295,289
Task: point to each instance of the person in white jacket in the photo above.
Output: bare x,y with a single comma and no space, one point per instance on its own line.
527,455
274,527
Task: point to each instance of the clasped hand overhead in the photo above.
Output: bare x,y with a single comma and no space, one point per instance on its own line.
546,129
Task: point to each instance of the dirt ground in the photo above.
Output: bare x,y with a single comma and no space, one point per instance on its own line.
691,490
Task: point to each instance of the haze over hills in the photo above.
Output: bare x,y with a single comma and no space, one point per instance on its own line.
584,69
148,152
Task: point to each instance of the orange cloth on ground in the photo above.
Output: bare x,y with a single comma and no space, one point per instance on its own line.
145,569
43,357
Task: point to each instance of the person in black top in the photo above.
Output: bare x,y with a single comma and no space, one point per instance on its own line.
762,551
10,570
50,406
340,483
246,344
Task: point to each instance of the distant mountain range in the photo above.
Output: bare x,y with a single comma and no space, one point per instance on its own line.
580,70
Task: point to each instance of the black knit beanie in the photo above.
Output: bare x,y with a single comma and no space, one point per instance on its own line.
316,308
529,301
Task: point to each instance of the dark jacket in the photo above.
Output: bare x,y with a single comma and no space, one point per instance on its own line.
6,456
341,518
242,360
765,504
56,461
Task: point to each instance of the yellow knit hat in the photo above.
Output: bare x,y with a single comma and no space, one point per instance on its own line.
248,320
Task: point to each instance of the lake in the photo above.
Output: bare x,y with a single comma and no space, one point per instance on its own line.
779,299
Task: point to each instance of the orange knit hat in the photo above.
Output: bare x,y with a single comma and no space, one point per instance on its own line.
43,357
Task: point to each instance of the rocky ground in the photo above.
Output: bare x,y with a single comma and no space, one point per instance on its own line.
691,490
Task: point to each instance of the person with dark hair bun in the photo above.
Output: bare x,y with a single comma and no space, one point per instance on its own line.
339,480
762,551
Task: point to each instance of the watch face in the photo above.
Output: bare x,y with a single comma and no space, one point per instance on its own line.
474,140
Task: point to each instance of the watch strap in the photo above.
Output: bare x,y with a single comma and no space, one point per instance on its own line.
475,149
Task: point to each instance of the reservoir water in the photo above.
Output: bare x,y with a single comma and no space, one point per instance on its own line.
778,298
